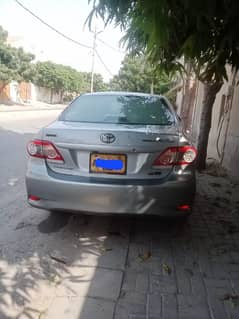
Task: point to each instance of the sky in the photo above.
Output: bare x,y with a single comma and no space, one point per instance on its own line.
67,16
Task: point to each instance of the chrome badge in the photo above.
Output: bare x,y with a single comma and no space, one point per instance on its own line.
107,138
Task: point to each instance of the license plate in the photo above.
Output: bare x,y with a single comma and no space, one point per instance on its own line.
108,163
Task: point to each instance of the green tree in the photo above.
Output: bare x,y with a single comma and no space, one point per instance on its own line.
15,63
64,79
205,33
138,75
99,84
3,35
57,77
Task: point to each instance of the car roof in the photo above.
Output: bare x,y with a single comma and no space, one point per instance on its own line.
123,93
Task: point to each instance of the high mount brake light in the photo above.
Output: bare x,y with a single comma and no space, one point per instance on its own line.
177,155
44,149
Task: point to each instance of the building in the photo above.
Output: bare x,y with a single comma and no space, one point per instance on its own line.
20,93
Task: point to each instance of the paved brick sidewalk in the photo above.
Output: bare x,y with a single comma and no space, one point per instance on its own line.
70,267
187,271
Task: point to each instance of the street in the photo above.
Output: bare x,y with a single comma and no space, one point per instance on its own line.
65,266
16,129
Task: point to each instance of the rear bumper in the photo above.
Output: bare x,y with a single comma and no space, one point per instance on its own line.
59,194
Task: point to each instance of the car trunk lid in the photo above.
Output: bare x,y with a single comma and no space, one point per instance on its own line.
140,144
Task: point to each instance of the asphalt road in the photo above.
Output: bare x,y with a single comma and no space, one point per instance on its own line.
61,266
16,129
36,247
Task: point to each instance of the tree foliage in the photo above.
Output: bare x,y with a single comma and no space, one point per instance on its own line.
15,63
64,78
204,32
99,84
56,76
138,75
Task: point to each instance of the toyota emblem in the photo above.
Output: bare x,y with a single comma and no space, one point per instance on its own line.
107,138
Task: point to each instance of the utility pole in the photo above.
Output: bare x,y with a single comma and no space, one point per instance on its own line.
93,59
93,62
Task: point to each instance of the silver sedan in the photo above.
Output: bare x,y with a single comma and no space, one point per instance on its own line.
113,152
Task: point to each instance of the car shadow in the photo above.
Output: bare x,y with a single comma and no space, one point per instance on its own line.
73,266
54,222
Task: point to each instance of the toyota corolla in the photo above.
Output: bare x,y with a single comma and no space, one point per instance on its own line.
113,152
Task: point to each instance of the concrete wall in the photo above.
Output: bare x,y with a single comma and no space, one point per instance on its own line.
223,143
15,92
231,155
24,92
45,95
4,93
12,93
219,119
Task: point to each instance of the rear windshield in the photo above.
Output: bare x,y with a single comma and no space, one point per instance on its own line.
119,109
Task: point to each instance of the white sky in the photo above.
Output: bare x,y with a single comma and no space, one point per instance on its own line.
68,16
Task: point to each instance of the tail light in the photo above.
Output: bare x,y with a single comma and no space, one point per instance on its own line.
44,149
33,197
178,155
184,208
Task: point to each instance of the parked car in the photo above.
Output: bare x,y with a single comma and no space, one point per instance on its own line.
113,152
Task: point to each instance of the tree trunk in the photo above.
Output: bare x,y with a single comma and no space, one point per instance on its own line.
209,95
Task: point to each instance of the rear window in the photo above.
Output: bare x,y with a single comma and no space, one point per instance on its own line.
119,109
